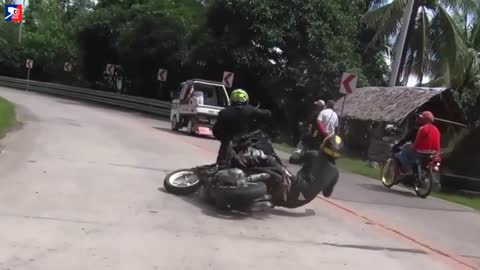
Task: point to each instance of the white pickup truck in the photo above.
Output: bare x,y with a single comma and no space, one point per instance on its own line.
197,106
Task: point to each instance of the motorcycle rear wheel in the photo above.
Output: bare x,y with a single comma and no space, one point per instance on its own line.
182,182
388,173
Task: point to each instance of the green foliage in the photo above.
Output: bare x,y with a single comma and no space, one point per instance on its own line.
300,48
7,115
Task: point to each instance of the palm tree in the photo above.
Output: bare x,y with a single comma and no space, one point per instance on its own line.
465,76
433,36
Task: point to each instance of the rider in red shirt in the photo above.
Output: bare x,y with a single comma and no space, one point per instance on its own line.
428,136
427,141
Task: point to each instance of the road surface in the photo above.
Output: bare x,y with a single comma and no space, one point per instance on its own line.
81,188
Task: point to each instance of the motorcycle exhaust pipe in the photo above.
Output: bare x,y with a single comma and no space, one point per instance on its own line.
258,177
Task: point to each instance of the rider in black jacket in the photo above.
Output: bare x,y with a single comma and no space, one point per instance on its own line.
237,120
409,137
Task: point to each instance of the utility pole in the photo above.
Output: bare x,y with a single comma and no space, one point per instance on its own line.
21,24
401,43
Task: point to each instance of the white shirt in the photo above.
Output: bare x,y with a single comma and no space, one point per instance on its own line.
329,119
198,95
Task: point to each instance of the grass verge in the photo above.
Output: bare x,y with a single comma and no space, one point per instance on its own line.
472,201
7,116
361,168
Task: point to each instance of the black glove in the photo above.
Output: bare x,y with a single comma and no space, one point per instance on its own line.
396,148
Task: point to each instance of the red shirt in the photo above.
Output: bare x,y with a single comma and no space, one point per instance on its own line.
428,139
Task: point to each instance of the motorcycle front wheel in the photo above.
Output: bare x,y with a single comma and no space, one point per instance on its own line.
388,173
424,184
182,182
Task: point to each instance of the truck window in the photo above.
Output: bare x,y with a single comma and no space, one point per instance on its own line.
213,95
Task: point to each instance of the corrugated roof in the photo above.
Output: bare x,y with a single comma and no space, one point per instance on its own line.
388,104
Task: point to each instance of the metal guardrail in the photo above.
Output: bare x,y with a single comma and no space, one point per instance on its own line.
157,107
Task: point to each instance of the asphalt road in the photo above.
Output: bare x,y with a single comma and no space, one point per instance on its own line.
81,188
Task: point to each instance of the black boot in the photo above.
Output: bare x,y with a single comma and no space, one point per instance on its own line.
328,190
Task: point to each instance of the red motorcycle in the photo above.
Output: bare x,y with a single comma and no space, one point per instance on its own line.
422,179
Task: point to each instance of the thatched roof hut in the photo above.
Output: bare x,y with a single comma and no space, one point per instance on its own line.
368,110
391,104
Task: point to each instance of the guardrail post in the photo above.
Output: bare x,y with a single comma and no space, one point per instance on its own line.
28,79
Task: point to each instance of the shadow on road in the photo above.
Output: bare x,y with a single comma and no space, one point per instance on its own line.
168,130
182,133
210,209
379,188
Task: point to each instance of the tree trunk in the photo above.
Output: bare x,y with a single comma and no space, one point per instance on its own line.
411,27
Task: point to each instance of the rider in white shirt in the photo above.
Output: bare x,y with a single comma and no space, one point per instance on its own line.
327,120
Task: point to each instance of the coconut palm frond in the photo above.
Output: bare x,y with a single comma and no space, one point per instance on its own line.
438,82
383,13
385,20
466,6
440,34
449,46
376,4
471,70
474,39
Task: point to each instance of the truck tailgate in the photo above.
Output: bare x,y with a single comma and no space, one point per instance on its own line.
210,110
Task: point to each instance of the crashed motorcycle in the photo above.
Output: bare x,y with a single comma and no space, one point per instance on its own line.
422,179
257,177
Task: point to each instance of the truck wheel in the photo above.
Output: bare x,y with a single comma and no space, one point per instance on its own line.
174,123
190,129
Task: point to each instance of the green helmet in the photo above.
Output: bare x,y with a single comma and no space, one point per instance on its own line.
239,97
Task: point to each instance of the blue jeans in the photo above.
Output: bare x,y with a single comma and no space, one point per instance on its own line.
407,158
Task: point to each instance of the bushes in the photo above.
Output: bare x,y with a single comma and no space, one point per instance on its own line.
7,115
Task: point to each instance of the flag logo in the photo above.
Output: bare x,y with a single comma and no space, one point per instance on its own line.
13,13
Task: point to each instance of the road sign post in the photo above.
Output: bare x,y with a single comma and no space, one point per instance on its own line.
29,66
228,79
347,86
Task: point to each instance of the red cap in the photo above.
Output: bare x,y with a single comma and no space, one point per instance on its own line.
427,116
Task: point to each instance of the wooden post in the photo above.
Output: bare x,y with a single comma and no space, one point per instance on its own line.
341,126
451,122
343,105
